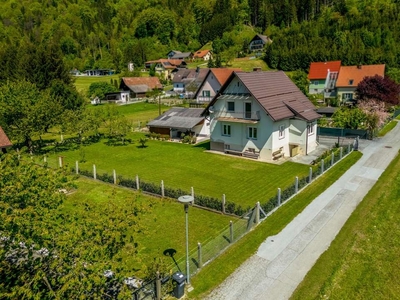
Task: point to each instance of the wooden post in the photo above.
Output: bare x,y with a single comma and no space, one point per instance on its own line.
162,189
279,196
199,256
231,231
94,172
76,167
137,182
115,176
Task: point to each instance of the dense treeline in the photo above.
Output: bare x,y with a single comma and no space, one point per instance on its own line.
355,32
109,34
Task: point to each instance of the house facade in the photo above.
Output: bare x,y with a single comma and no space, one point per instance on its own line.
4,141
212,83
165,67
258,42
322,77
262,115
350,76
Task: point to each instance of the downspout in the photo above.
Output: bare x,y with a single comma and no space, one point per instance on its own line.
307,139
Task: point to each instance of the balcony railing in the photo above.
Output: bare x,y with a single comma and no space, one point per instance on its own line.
203,99
246,115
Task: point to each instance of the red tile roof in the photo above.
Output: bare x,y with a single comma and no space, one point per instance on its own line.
351,76
319,70
201,53
151,82
4,141
222,74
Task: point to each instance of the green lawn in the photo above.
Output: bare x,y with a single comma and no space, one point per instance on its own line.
82,83
163,221
184,166
387,128
215,273
363,261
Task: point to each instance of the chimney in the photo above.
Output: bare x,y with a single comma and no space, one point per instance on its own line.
257,69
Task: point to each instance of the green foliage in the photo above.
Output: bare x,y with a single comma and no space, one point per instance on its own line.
353,118
99,89
300,78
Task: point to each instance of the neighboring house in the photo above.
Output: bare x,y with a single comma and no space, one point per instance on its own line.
215,78
351,76
323,77
262,115
139,86
203,55
183,55
4,141
118,97
172,53
180,120
258,42
187,81
99,72
165,67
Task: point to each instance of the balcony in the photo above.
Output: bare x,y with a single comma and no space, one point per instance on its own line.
238,117
203,99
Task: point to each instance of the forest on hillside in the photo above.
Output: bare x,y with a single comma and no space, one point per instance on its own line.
111,33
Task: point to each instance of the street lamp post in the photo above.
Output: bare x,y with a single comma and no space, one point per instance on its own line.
186,200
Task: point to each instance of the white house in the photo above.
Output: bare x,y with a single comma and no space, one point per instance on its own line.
212,83
262,115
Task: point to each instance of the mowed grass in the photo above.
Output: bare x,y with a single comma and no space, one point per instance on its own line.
82,83
215,273
363,261
163,221
387,128
183,166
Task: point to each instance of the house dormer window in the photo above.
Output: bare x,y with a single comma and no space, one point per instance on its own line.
351,82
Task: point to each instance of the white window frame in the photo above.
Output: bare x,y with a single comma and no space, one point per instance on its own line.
281,132
347,96
310,129
252,133
227,106
226,130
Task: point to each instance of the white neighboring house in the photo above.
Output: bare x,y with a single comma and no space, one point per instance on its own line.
262,115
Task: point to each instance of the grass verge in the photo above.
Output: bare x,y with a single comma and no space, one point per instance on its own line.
363,261
216,272
388,127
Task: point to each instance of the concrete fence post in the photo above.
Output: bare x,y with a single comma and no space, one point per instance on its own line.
279,196
76,167
310,176
296,185
348,148
199,256
322,166
60,161
19,156
231,231
137,182
223,203
94,172
158,286
192,191
45,159
258,213
162,189
332,158
341,152
115,176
